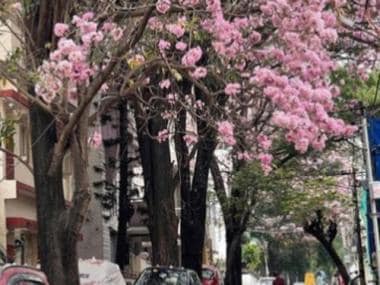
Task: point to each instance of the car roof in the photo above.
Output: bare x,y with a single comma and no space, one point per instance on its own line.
159,267
9,266
267,278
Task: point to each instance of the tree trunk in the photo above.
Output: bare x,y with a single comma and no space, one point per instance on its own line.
183,159
78,211
57,255
336,259
159,192
194,207
236,212
234,256
316,228
193,211
122,250
49,198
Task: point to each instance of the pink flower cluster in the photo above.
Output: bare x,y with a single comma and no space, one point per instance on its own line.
292,72
176,29
189,3
162,136
192,56
163,6
266,162
69,66
165,84
95,140
264,142
190,139
232,89
285,72
226,132
199,73
60,29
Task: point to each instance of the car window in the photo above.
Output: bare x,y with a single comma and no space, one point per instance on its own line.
194,279
27,282
207,274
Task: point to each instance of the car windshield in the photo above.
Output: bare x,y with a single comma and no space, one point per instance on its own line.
207,273
162,276
25,279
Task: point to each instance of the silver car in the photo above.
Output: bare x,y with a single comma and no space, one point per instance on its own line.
162,275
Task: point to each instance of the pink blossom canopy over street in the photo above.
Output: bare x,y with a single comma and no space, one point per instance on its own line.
272,64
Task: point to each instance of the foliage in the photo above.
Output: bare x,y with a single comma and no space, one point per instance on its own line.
252,256
7,129
354,87
358,94
296,257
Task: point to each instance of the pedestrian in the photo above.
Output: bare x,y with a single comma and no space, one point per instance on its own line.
279,280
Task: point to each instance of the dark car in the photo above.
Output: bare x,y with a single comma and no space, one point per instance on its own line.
21,275
162,275
211,276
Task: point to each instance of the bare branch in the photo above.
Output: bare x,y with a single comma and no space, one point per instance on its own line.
19,158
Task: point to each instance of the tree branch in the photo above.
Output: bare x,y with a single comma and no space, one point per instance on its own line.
19,158
93,89
19,81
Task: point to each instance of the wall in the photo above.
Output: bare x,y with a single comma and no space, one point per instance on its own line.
7,191
22,207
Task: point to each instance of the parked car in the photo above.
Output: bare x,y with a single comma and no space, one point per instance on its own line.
164,275
211,276
20,275
248,279
98,271
266,280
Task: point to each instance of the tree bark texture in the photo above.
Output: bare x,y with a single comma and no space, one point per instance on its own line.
159,192
183,159
193,214
49,197
234,256
193,196
336,259
122,249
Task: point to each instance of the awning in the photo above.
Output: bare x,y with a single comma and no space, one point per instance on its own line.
21,223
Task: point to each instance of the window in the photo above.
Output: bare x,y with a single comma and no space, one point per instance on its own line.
207,274
24,138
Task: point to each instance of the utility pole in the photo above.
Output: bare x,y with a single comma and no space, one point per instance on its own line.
371,195
358,228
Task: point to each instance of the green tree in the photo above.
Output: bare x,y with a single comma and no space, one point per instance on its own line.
252,256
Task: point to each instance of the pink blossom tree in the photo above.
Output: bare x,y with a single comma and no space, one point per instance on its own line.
244,75
257,76
62,69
